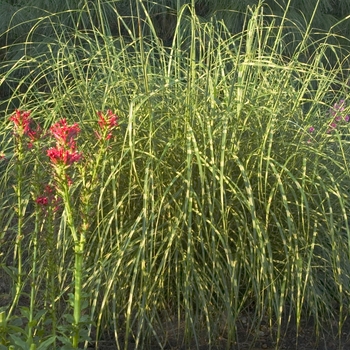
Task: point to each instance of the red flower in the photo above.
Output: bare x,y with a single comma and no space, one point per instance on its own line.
22,122
50,190
113,119
42,201
33,136
65,150
64,133
60,155
23,126
49,197
107,124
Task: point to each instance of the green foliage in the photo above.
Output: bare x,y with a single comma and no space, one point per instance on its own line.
215,198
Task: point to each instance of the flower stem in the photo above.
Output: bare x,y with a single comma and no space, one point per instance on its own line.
18,242
32,284
79,243
78,251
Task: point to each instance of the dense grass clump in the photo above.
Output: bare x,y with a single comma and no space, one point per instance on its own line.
223,192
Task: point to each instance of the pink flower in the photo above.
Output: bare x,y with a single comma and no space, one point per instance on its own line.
338,107
311,129
337,111
331,128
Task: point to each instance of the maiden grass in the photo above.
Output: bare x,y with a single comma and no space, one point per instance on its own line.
214,199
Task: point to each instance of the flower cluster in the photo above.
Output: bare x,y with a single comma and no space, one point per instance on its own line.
339,118
49,198
65,152
107,124
22,122
23,127
42,200
337,112
60,155
310,131
65,134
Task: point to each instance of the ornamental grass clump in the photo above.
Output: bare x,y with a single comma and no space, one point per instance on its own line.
209,192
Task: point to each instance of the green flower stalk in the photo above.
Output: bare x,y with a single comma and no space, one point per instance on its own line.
24,137
34,262
46,203
107,124
62,157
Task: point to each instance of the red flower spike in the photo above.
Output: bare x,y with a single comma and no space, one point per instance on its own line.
102,122
61,156
65,150
22,122
113,119
107,124
65,134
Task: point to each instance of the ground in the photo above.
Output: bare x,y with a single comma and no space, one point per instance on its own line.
262,339
305,340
